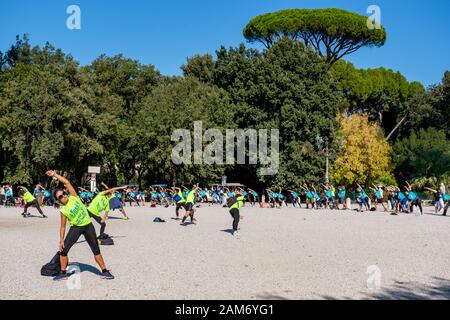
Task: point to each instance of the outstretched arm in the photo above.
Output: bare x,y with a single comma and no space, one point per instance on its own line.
109,191
64,181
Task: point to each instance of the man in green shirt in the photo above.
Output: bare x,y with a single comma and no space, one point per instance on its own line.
235,212
189,206
30,201
101,204
74,211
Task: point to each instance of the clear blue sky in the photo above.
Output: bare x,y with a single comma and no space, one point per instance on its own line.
165,32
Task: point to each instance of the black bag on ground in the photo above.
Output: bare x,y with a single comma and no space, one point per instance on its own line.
231,201
105,240
52,268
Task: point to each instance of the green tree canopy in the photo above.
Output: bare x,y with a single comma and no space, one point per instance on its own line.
332,33
286,87
425,153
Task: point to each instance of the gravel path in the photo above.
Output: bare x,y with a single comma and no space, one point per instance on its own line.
281,254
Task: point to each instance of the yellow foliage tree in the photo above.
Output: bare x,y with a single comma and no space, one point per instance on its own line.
365,154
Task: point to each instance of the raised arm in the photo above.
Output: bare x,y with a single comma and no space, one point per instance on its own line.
109,191
432,190
64,181
22,188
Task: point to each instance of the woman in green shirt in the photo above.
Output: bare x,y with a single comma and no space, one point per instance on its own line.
30,201
74,211
235,211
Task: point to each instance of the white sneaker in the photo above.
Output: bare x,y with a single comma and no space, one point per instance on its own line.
236,234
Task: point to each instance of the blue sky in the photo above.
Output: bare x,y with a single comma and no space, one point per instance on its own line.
165,33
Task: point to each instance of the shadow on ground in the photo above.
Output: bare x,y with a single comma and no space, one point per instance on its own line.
438,290
86,268
270,296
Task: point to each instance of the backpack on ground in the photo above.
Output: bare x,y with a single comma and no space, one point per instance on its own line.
231,201
105,240
52,268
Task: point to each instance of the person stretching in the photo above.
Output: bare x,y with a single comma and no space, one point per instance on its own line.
235,211
30,201
74,211
101,204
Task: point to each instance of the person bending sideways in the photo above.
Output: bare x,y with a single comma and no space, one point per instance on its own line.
189,206
30,201
235,211
101,204
74,211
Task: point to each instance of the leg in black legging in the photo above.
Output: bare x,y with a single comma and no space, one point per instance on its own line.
446,208
99,221
35,203
235,214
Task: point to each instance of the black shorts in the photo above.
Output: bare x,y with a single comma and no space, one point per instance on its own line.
188,206
75,233
380,201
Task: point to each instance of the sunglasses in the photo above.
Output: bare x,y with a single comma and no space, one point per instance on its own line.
61,196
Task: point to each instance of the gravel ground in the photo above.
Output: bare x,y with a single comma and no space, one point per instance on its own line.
281,254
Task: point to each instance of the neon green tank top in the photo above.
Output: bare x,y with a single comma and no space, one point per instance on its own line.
76,212
99,204
28,197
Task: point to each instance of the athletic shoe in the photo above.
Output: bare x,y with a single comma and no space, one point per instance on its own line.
126,218
236,234
61,276
107,275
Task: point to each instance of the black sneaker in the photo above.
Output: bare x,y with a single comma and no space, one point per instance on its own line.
62,276
107,275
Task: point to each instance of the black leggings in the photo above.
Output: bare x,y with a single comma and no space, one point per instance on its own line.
35,204
447,206
235,214
131,199
179,206
417,203
75,233
99,221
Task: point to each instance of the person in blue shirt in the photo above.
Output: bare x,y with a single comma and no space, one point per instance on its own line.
309,196
379,196
414,200
342,197
295,199
203,196
446,198
254,198
363,198
9,196
438,199
402,201
329,198
317,200
271,196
